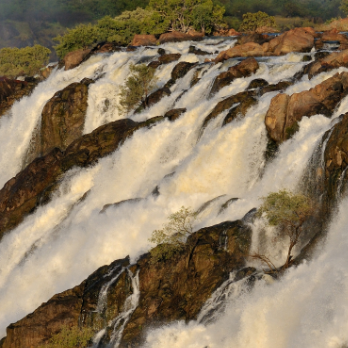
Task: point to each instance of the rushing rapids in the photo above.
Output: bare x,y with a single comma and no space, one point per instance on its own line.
81,229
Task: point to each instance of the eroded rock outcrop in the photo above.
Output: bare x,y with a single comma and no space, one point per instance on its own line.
244,69
285,111
176,36
332,61
295,40
167,288
32,186
12,90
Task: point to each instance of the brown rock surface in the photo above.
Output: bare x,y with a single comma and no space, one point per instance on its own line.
332,61
32,186
167,287
244,69
169,58
75,58
12,90
285,111
176,36
63,117
144,40
295,40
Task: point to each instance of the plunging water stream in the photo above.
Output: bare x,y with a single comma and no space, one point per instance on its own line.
64,241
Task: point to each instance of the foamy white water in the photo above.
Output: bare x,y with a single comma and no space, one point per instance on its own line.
70,236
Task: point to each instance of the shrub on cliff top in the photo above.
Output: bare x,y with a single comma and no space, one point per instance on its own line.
23,61
252,21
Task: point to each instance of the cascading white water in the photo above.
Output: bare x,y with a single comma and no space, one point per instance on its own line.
70,236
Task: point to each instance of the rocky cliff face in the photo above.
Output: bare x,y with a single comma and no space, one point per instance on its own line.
170,288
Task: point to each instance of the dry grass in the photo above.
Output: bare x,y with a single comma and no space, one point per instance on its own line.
340,24
285,24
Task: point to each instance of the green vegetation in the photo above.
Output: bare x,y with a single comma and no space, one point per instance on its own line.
157,18
287,212
252,21
170,240
344,6
70,337
137,87
23,61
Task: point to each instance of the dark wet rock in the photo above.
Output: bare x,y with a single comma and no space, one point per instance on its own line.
227,204
167,286
154,64
307,58
156,96
13,90
286,111
174,114
240,110
161,51
169,58
205,205
257,83
63,117
280,86
131,48
23,193
197,51
118,204
181,69
244,69
225,104
321,55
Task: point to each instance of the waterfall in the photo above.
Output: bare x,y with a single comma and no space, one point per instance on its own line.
64,241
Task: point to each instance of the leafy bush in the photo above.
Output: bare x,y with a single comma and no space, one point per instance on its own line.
252,21
137,87
170,240
23,61
288,212
70,337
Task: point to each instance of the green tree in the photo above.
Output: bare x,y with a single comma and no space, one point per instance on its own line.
287,212
23,61
70,337
137,87
344,6
171,239
252,21
182,15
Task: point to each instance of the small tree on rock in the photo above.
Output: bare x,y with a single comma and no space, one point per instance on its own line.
288,212
137,87
171,238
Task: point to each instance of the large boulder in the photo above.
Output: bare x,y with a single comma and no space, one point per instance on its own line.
63,117
334,35
295,40
250,49
286,111
332,61
181,69
244,69
144,40
75,58
167,285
